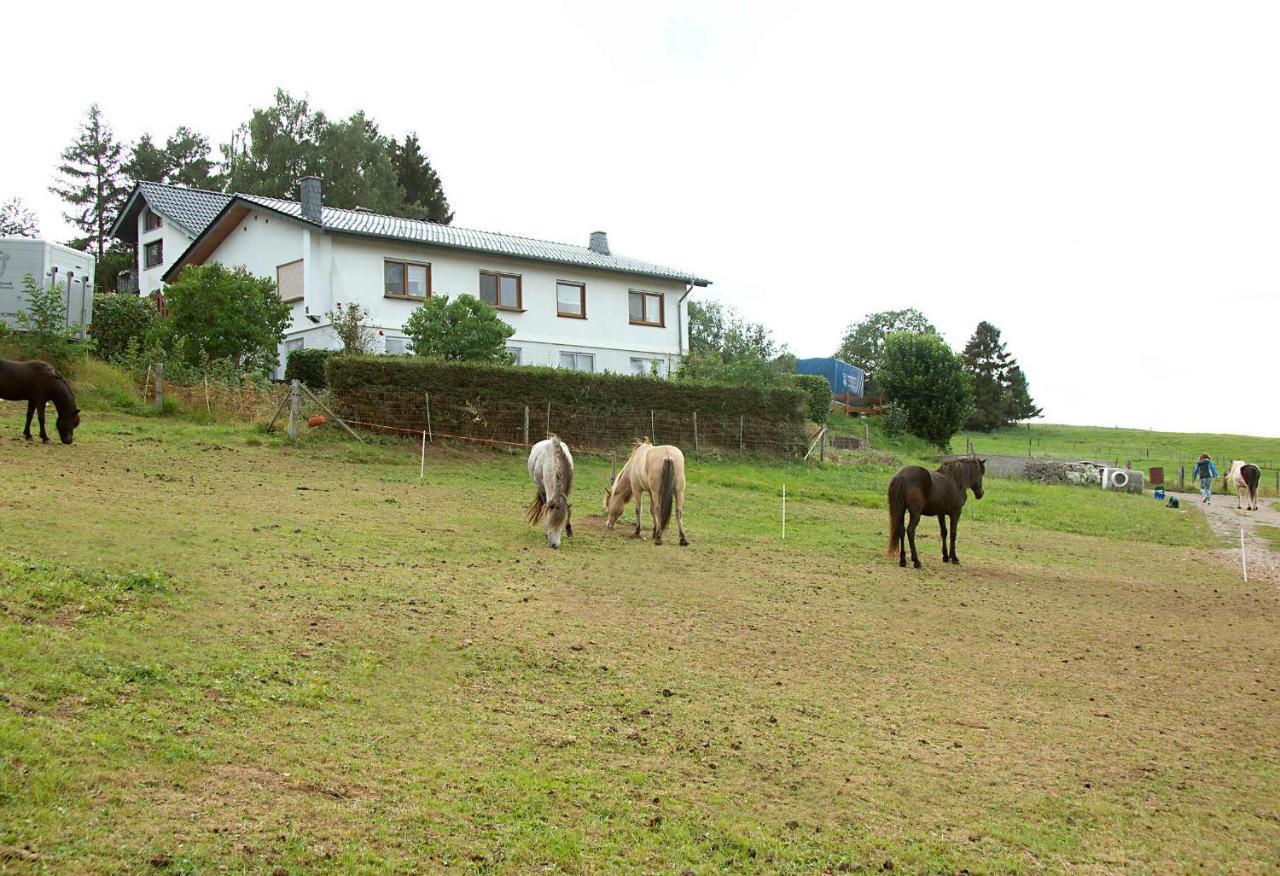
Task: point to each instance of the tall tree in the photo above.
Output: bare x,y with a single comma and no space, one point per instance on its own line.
987,362
16,220
423,191
187,152
926,381
355,164
147,161
91,181
279,145
863,342
1019,405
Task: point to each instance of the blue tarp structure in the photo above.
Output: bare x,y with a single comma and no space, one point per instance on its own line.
843,377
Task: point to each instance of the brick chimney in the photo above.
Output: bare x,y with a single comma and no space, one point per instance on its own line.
309,195
599,242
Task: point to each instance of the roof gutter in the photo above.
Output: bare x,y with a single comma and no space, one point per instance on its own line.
680,319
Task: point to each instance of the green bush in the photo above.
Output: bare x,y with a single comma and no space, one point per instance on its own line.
818,396
920,373
601,393
308,366
43,332
119,318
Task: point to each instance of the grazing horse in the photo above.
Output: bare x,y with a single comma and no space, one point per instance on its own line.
927,493
658,471
38,383
1245,477
551,467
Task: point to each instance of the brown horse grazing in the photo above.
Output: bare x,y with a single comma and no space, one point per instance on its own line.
658,471
927,493
38,383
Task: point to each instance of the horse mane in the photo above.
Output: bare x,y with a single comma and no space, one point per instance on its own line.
964,468
556,500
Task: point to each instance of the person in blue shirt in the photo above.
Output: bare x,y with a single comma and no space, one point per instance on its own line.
1206,472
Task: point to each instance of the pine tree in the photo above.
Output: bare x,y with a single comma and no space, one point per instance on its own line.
987,362
1018,403
423,191
147,161
91,182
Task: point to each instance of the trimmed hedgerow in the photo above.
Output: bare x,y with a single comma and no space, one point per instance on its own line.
308,366
817,396
600,393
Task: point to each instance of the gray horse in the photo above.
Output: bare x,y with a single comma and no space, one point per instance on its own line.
551,468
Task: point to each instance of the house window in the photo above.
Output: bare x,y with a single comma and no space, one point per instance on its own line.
571,300
395,346
295,344
406,279
647,308
501,290
153,253
578,361
150,220
645,367
289,280
516,358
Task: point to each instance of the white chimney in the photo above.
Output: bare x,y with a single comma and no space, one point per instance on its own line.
599,242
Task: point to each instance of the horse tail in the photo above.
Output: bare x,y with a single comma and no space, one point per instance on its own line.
666,492
897,508
1252,477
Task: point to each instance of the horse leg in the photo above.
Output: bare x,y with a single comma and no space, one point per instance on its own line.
955,523
639,502
942,525
902,542
911,534
31,412
684,542
44,436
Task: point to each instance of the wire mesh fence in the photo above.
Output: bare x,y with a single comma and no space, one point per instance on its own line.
520,423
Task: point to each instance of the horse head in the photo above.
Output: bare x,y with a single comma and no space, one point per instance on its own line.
67,426
976,481
557,518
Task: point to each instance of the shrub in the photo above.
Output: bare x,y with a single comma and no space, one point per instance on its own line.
43,330
465,329
920,373
308,366
119,318
225,313
349,324
818,396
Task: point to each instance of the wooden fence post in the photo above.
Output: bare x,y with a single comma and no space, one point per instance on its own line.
1182,478
741,446
526,425
295,405
548,418
695,439
160,387
822,445
866,432
653,430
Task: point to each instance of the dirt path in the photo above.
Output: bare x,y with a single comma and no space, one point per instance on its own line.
1227,520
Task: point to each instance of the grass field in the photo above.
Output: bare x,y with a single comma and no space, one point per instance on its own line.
221,651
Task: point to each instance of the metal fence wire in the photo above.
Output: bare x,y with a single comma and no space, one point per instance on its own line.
520,423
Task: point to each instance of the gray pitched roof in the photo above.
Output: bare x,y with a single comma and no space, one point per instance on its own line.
191,209
451,236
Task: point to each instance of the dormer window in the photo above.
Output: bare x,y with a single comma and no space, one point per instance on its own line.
150,220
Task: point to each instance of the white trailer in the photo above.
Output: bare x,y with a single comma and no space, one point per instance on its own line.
50,264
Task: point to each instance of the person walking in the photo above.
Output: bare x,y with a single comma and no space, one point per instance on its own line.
1206,472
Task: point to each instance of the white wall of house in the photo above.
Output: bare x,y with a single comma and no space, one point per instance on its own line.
174,242
350,269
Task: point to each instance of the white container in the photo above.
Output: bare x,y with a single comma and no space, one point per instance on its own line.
69,270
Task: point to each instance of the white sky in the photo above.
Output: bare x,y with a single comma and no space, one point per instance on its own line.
1100,180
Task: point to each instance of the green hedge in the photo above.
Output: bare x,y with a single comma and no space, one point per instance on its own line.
599,393
817,396
308,366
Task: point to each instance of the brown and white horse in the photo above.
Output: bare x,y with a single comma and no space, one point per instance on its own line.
1244,476
658,471
551,468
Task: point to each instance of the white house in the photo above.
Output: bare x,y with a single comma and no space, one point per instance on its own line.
571,306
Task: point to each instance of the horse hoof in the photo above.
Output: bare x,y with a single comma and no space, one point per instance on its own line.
918,564
45,441
684,542
954,561
657,541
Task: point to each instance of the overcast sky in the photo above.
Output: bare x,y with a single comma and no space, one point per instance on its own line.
1100,180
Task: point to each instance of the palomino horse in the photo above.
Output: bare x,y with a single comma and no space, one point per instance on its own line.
551,467
1245,477
38,383
927,493
658,471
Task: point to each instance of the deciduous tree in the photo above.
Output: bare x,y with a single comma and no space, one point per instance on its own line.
215,312
863,342
725,348
462,329
16,220
926,381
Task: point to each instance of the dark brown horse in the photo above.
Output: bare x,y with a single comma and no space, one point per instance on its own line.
940,494
38,383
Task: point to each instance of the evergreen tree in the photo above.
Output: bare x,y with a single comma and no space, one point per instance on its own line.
987,362
16,220
187,154
423,192
863,342
91,182
147,161
1019,405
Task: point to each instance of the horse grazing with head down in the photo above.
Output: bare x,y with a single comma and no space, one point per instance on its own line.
551,468
1244,476
940,494
658,471
38,383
